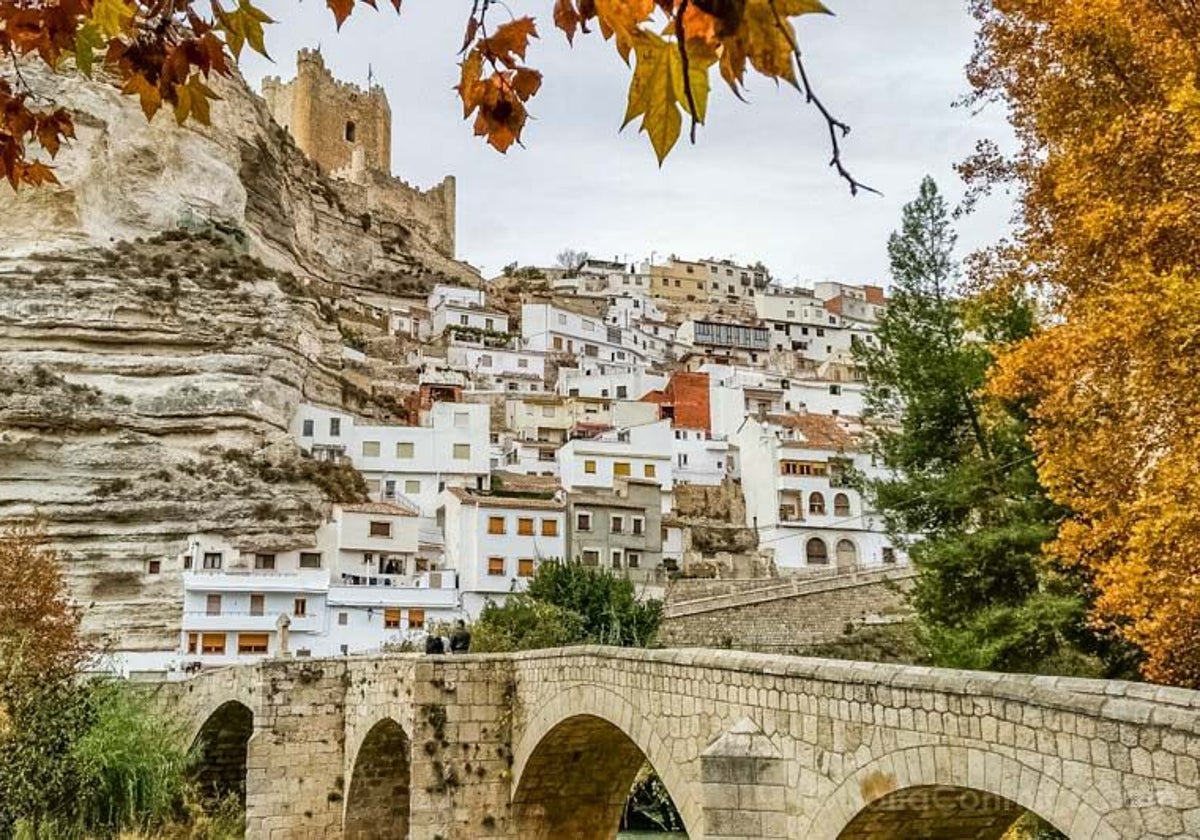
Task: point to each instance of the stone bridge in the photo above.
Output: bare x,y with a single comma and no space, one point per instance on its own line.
548,744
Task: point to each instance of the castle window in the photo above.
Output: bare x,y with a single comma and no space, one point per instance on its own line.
350,131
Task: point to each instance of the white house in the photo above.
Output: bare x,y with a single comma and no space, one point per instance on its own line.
463,296
449,314
495,542
499,368
405,462
628,385
800,499
637,452
701,457
236,596
358,586
550,329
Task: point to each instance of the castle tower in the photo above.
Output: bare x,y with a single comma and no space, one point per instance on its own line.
335,123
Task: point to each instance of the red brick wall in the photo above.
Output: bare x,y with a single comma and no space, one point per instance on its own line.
688,392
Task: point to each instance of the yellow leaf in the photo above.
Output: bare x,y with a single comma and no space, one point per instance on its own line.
111,17
652,92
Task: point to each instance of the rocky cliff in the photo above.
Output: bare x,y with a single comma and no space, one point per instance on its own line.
161,314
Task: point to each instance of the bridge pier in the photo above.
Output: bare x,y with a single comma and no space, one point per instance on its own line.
294,764
745,785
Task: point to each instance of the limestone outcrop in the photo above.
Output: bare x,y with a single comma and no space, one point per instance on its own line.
162,312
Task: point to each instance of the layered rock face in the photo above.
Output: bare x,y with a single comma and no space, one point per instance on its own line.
161,315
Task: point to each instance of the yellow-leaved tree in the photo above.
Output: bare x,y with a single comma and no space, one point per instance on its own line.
1104,99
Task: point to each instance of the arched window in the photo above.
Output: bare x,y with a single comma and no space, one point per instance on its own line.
841,505
816,504
847,554
351,131
816,552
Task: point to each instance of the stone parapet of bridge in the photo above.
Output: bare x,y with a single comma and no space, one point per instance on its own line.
549,743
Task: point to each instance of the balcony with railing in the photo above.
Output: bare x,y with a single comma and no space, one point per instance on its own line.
264,621
427,589
244,579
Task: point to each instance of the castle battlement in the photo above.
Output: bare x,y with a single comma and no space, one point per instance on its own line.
330,119
347,132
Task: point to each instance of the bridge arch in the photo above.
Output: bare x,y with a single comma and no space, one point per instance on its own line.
974,786
223,742
378,804
576,763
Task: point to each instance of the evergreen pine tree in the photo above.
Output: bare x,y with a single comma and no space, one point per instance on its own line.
963,496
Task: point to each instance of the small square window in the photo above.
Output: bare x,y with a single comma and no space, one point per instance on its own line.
335,426
583,521
310,560
300,607
589,467
343,619
381,529
404,449
633,559
391,619
496,525
525,567
462,452
370,448
525,527
461,418
649,470
549,527
412,486
308,429
495,566
212,643
618,524
591,557
212,560
416,619
616,559
621,468
154,567
264,562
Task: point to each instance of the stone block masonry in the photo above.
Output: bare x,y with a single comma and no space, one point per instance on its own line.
780,615
547,744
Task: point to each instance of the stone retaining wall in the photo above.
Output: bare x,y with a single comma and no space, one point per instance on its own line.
781,615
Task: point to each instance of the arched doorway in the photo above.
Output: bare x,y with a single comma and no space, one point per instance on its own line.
577,781
378,805
816,553
221,746
847,554
935,811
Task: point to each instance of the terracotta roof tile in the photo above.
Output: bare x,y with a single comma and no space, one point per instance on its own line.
819,431
383,508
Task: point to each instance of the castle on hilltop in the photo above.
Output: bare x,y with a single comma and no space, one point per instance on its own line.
347,132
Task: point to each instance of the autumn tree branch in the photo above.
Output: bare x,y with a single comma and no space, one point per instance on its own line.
837,129
681,42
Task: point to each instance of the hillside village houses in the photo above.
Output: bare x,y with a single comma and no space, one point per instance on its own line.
557,425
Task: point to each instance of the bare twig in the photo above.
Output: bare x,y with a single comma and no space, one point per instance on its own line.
837,129
687,76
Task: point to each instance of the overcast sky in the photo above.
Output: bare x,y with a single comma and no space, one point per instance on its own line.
755,185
